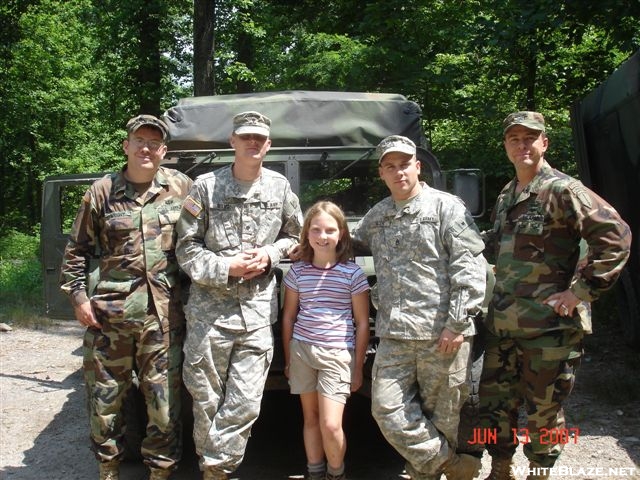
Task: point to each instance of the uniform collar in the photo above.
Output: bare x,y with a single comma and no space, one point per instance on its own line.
120,184
412,206
546,171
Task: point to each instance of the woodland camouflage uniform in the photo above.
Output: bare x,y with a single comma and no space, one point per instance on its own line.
137,301
531,352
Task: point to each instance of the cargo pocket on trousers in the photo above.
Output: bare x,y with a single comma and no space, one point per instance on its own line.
459,368
557,354
565,360
458,377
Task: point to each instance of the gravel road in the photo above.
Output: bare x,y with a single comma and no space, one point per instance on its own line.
43,424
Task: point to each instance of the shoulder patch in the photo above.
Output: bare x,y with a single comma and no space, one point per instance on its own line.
580,191
192,206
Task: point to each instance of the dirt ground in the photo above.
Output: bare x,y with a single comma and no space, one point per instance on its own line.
43,425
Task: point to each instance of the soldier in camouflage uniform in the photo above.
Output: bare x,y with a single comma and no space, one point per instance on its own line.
431,282
539,310
236,225
134,318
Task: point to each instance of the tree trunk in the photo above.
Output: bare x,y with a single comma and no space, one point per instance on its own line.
532,73
148,74
246,53
204,13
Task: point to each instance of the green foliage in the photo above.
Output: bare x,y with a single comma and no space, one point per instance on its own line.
19,246
20,282
47,94
20,277
330,62
67,92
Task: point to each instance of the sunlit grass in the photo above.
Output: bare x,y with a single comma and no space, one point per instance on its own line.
24,316
21,282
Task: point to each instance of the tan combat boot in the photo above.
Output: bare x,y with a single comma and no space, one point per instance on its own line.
538,472
501,469
462,467
109,470
159,473
210,473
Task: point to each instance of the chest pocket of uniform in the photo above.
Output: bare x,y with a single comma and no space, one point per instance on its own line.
120,232
223,231
168,235
421,239
265,222
529,238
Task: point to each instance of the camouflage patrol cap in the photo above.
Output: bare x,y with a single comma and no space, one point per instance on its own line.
147,120
532,120
251,122
395,143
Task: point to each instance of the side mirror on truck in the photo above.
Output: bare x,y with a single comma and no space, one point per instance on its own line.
468,184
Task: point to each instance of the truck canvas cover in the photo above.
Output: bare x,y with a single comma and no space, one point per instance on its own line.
606,129
607,136
298,119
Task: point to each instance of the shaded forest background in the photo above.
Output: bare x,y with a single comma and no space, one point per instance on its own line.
73,71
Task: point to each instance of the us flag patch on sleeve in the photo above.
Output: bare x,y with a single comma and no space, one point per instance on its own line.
192,206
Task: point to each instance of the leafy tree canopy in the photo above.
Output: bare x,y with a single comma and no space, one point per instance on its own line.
75,70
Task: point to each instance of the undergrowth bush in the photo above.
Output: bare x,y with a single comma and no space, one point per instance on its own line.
20,277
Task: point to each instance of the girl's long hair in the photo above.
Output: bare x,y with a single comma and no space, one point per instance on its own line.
344,250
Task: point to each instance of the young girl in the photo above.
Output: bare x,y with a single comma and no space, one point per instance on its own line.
325,295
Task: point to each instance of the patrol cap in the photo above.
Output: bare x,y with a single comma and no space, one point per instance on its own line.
532,120
147,120
251,122
395,143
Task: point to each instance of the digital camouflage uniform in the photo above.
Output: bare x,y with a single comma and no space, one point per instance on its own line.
137,301
531,352
229,344
431,275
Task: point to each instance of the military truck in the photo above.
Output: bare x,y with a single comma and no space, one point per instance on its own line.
323,142
606,132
